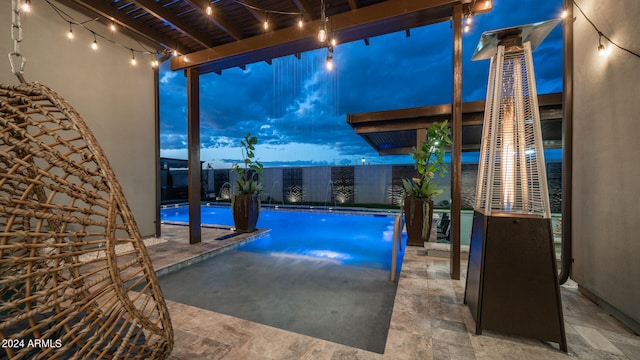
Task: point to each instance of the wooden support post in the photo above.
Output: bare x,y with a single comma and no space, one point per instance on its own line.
421,136
456,153
195,169
156,94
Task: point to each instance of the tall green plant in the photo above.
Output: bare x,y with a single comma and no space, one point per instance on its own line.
251,170
429,161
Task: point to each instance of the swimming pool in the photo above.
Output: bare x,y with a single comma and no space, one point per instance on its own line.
356,239
325,275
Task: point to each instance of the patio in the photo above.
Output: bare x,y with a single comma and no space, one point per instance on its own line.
444,329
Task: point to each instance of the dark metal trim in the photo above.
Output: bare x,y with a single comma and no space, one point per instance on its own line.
567,146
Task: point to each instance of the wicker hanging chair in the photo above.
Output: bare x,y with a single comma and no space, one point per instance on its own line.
75,277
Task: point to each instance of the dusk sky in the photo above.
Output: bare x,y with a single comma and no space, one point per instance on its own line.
298,109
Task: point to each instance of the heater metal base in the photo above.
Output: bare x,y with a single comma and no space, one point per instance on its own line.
512,282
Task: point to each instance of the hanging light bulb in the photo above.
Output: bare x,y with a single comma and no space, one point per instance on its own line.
300,23
26,6
565,13
134,62
602,49
70,33
94,44
467,25
175,52
329,62
265,24
155,63
112,26
334,42
322,35
209,10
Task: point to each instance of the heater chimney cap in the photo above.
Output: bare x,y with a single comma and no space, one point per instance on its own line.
534,33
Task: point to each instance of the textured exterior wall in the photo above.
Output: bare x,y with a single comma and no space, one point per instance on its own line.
114,98
606,157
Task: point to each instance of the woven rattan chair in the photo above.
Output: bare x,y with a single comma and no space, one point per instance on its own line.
75,277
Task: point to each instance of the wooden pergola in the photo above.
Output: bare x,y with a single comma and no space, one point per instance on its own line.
396,132
233,36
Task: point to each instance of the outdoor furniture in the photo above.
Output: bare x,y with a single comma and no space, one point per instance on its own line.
75,277
444,228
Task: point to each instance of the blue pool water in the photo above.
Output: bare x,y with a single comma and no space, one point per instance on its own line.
320,274
363,240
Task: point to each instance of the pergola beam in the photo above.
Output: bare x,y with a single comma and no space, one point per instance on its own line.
378,19
306,9
179,24
220,21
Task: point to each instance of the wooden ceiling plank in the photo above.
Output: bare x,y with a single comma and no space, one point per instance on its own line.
253,4
381,18
306,9
219,20
180,24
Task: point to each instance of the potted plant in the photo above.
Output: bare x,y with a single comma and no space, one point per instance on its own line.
420,190
245,203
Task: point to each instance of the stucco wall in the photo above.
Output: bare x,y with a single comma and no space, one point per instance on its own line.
606,157
113,97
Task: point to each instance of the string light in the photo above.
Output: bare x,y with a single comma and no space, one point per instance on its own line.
26,6
334,42
175,52
300,23
94,45
329,62
209,10
265,24
564,14
467,25
70,33
602,48
155,63
322,34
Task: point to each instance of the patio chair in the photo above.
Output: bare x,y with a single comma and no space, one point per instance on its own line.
444,227
75,277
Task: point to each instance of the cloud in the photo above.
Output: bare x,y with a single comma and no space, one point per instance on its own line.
298,109
167,76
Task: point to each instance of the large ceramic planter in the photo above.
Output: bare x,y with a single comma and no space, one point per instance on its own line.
246,209
418,214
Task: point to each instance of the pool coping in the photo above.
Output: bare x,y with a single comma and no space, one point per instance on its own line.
182,263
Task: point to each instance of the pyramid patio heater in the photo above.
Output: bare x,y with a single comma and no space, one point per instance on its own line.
512,282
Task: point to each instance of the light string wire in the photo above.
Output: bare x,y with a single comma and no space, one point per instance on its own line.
600,33
267,11
69,19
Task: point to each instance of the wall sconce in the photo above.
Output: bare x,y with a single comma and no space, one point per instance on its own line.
512,283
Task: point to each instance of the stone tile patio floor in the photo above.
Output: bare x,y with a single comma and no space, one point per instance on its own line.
429,320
